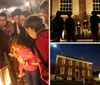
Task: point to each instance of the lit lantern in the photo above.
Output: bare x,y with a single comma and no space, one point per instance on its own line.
99,75
5,78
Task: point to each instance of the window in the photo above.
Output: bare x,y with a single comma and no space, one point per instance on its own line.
88,73
83,72
70,62
62,70
88,65
77,73
83,64
65,6
69,71
96,6
63,61
77,63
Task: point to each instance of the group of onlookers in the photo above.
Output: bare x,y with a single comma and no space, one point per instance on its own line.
58,25
25,42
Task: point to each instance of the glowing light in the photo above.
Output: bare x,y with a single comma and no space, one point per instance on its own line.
1,81
5,78
4,9
99,75
27,4
1,10
54,45
12,8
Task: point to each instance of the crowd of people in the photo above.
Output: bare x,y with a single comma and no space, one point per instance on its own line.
25,40
73,28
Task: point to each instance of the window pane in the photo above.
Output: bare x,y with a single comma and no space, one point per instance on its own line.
93,1
65,6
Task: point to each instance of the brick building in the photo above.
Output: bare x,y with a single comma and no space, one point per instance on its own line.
69,67
80,8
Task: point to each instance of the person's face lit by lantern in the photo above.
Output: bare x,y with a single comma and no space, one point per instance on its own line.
16,18
3,21
22,20
31,32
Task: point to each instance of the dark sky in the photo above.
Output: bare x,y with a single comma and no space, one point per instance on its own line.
90,52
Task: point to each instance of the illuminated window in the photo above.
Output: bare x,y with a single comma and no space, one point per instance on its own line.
88,73
96,6
83,64
65,6
88,65
69,71
70,62
63,61
62,70
77,63
83,72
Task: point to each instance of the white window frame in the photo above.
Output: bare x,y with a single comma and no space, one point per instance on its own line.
88,73
70,62
69,71
83,64
77,70
62,70
65,7
83,72
96,3
63,61
77,63
88,65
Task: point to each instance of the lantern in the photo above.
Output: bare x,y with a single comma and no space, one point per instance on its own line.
99,75
5,78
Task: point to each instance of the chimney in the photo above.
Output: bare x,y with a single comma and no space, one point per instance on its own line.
62,53
82,58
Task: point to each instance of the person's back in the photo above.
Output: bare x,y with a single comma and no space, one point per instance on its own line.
70,27
94,22
58,23
58,26
69,24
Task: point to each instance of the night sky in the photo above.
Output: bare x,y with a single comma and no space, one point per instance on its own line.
90,52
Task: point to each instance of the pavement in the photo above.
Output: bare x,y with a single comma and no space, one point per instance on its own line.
65,82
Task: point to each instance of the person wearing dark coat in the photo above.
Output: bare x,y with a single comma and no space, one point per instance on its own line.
70,27
37,30
94,20
58,26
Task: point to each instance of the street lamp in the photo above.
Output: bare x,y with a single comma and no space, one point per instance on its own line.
5,78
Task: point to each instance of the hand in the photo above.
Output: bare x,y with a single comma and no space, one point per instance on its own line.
21,75
11,55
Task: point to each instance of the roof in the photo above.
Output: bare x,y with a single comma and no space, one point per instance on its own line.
76,59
